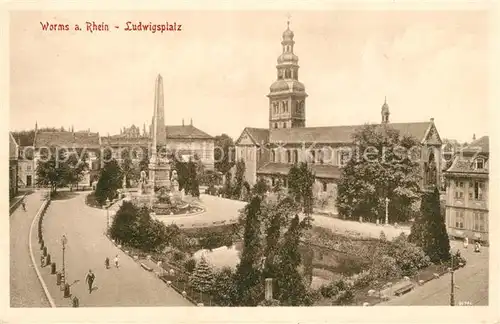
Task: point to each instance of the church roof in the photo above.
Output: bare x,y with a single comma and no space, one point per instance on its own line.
320,170
13,147
68,139
339,134
259,135
185,132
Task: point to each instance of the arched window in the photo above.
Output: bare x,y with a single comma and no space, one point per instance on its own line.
273,156
288,156
313,156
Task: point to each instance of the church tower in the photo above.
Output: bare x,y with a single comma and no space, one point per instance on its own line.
385,112
287,95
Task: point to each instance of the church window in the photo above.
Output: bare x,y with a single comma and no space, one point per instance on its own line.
288,156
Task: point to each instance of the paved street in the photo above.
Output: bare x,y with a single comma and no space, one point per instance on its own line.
25,288
472,282
86,249
219,209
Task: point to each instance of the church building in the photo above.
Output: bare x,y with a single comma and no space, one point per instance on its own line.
270,152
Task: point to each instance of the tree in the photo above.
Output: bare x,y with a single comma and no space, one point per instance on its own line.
248,285
110,180
300,182
191,184
74,168
50,171
429,229
122,228
223,153
223,289
291,287
378,168
129,171
238,179
261,187
202,278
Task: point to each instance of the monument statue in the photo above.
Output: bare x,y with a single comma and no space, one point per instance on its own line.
142,182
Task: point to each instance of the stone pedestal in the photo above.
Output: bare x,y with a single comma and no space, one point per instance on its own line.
159,175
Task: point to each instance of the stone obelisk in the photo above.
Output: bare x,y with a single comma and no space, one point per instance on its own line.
159,167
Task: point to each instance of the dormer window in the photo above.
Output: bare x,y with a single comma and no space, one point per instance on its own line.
479,164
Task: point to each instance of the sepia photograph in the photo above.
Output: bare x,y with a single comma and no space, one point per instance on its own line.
271,158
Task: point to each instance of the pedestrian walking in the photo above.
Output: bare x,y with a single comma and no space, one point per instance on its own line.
106,263
23,204
466,242
477,247
116,261
90,280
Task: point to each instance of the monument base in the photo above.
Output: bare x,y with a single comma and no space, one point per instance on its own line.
159,176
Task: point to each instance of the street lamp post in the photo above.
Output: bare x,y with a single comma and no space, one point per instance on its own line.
64,241
386,211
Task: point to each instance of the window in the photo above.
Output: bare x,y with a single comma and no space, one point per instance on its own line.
479,222
479,164
325,186
459,219
295,156
313,156
288,156
28,167
478,190
321,156
275,125
273,157
284,124
285,182
459,190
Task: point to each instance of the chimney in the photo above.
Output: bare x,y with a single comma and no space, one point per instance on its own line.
473,137
191,121
432,120
182,121
269,289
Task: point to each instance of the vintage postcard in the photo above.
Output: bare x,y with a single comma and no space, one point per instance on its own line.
324,162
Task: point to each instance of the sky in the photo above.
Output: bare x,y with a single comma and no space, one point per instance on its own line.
218,69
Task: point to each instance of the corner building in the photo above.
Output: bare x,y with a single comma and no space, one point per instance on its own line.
270,152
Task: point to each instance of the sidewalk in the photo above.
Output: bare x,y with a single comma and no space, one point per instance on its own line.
86,248
25,288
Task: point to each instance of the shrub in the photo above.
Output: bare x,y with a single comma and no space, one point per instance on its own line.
272,302
340,291
362,279
178,256
189,265
382,236
223,290
385,267
409,257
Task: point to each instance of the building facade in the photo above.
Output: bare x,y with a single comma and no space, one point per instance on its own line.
467,187
270,152
13,166
70,141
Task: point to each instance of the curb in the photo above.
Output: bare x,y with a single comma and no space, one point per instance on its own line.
42,282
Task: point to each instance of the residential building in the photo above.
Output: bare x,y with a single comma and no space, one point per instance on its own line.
13,166
467,192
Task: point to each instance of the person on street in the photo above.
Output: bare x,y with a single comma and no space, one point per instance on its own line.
477,247
106,263
116,261
23,204
90,280
466,242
